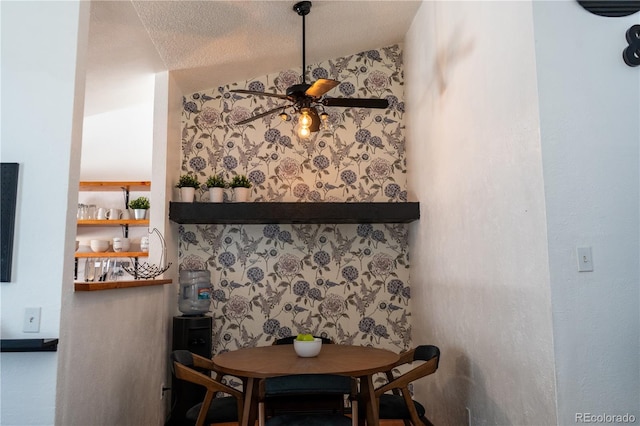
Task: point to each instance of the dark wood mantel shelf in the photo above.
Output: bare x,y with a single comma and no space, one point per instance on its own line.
263,213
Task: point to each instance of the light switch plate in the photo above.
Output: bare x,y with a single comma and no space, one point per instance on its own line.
31,320
585,260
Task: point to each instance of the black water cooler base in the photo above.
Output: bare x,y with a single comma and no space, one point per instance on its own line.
192,333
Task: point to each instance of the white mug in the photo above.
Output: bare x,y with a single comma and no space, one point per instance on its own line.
102,213
114,214
125,215
144,244
121,244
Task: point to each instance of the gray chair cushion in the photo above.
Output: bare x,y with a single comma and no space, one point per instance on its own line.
307,384
393,407
309,420
221,410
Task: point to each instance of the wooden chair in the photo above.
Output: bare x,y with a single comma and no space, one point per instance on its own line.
399,404
212,409
307,399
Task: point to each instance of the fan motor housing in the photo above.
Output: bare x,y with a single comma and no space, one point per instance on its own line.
298,90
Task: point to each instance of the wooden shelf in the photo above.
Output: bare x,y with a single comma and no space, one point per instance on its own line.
111,254
263,213
115,185
128,222
110,285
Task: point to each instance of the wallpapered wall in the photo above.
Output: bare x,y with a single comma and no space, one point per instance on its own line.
348,282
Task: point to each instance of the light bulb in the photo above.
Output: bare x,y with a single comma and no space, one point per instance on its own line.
304,132
304,120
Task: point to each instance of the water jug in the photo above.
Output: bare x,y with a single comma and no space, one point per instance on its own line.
195,291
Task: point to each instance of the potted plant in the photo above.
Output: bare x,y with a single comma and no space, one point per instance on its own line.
188,184
140,206
216,185
241,188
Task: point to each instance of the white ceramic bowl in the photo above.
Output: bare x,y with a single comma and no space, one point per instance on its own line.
121,244
99,246
307,348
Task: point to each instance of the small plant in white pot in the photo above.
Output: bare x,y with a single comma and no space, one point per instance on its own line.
140,206
216,185
241,188
188,185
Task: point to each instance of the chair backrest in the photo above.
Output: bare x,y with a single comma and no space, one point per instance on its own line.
407,409
430,354
289,340
182,357
300,392
426,353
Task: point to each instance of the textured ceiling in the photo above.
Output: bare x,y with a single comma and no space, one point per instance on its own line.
211,43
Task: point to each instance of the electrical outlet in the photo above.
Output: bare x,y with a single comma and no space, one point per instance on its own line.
163,389
31,320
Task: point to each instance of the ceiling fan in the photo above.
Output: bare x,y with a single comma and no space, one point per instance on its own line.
305,98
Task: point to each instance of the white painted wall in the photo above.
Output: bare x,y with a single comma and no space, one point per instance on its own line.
590,127
480,276
125,331
504,209
114,345
118,143
122,338
42,104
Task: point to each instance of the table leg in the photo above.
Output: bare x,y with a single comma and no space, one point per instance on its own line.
369,399
249,414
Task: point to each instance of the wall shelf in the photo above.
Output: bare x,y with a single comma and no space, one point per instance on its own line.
115,186
111,254
110,285
263,213
128,222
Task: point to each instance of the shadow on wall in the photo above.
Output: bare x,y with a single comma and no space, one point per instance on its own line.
467,389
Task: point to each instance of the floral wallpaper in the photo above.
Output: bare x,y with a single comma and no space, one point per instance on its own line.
347,282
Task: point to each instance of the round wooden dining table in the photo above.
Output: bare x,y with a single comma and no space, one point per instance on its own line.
261,362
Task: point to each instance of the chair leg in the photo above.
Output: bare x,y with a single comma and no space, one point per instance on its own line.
354,412
415,419
426,421
261,415
202,415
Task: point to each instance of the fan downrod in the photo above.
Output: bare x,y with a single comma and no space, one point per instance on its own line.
302,8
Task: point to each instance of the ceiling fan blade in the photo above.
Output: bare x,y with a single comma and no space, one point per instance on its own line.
253,92
264,114
320,87
356,102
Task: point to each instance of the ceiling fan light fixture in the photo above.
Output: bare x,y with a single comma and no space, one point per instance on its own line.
308,97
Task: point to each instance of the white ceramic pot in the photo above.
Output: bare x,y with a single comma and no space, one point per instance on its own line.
216,195
187,194
139,214
241,195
